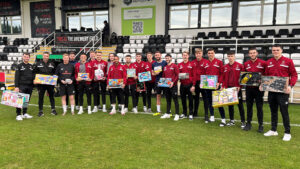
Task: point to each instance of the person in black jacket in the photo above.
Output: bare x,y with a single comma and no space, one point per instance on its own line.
24,83
105,34
73,61
45,67
65,72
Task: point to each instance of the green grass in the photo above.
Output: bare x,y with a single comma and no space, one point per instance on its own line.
140,141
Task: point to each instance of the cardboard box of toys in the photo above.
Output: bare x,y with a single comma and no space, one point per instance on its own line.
250,78
274,83
164,82
208,82
83,76
144,76
115,83
225,97
45,79
15,99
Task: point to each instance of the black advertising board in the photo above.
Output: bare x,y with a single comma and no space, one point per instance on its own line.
10,8
42,18
73,39
78,5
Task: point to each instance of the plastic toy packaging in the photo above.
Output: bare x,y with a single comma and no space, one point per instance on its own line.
15,99
144,76
164,82
250,78
274,83
99,74
115,83
208,81
45,79
225,97
83,76
157,69
130,73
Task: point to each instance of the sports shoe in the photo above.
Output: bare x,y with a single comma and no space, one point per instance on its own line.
123,112
19,118
247,127
41,114
182,116
104,110
95,109
260,129
80,111
54,112
27,116
287,137
126,110
145,109
212,119
149,110
243,125
165,116
156,114
99,108
191,117
206,120
271,133
231,123
135,110
176,118
113,111
77,107
222,124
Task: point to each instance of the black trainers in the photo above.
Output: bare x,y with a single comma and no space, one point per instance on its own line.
222,124
260,129
99,107
41,114
248,127
206,119
54,112
243,125
182,116
230,123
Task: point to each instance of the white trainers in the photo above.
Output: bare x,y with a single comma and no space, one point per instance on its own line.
19,118
123,112
95,109
176,118
271,133
212,119
77,107
113,111
145,109
104,110
165,116
149,110
287,137
126,110
80,110
27,116
89,110
135,111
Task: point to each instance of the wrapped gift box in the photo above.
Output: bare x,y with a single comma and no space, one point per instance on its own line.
15,99
274,83
208,81
115,83
183,76
83,76
250,78
140,87
225,97
144,76
99,74
164,82
45,79
131,73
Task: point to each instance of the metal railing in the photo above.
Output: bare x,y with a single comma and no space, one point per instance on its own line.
44,42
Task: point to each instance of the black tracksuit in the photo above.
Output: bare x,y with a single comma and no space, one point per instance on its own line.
66,71
24,77
253,93
46,69
185,92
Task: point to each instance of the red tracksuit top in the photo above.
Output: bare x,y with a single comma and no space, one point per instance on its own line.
117,72
199,68
215,68
283,67
148,67
130,80
257,66
88,69
237,68
140,67
171,71
102,65
186,68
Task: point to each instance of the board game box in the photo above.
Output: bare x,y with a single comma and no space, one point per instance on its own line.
131,73
274,83
225,97
157,69
144,76
45,79
115,83
15,99
208,81
164,82
83,76
250,78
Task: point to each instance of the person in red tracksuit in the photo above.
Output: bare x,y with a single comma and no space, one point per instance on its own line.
140,67
283,67
215,67
231,75
171,71
199,67
117,71
130,87
185,85
150,85
84,85
100,67
252,92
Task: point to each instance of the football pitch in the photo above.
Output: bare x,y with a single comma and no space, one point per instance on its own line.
141,141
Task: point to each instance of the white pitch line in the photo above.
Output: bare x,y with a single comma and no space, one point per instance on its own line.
268,123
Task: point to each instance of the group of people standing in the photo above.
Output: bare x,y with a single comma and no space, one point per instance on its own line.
74,88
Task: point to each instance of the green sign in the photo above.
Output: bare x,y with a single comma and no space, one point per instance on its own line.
51,56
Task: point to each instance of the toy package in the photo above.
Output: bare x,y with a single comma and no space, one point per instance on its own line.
14,99
250,78
99,74
164,82
157,69
45,79
144,76
115,83
130,73
140,87
83,76
274,83
183,76
225,97
208,81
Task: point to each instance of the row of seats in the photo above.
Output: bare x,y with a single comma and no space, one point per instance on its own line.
3,40
82,29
